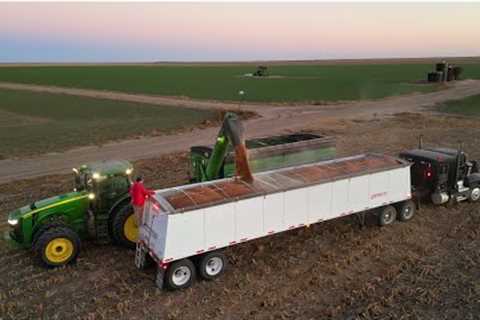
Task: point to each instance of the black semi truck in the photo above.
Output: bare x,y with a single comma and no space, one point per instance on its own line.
443,175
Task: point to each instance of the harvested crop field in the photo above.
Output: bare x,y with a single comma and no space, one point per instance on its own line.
313,83
32,123
424,269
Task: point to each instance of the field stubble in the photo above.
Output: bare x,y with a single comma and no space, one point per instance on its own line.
424,269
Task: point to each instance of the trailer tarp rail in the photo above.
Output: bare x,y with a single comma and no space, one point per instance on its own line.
176,200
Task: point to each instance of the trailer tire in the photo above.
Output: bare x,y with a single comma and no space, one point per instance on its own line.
57,246
122,231
387,215
406,210
180,275
474,195
211,265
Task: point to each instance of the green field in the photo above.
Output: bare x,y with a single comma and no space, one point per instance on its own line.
33,123
469,106
308,82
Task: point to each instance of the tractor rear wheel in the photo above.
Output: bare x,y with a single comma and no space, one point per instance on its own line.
125,228
57,246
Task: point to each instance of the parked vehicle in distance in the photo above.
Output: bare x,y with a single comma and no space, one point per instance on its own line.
184,227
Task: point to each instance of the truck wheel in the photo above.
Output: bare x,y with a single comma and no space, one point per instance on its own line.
387,215
57,246
211,265
180,275
406,210
474,195
124,227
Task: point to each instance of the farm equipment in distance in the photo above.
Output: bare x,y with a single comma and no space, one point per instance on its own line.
99,206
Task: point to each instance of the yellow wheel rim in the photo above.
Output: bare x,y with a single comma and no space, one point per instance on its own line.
59,250
130,228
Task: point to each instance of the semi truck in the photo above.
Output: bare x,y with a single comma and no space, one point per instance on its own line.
443,175
184,228
99,205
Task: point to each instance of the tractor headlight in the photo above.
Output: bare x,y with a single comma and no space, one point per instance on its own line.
96,175
91,196
129,171
12,222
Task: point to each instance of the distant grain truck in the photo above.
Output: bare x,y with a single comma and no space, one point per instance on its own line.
184,227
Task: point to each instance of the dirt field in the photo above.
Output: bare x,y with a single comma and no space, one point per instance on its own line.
424,269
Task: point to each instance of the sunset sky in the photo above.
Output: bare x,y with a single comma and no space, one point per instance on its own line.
92,32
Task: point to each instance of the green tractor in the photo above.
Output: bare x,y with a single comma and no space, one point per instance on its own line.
99,207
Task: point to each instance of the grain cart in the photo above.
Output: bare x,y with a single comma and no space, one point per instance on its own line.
99,207
267,153
443,175
184,227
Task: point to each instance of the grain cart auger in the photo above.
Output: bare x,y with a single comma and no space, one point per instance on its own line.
98,207
232,131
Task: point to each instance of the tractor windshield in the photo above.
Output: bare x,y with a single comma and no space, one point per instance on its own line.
83,181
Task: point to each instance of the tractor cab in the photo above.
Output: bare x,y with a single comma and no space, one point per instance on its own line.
443,174
107,183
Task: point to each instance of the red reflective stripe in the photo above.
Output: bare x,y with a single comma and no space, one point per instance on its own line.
211,248
291,227
301,225
167,260
270,232
200,251
232,242
244,239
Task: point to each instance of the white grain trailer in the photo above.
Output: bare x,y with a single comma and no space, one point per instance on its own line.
184,227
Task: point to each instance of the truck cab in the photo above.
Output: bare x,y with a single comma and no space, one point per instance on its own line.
97,207
443,175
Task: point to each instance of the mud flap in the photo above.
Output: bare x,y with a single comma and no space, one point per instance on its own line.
160,277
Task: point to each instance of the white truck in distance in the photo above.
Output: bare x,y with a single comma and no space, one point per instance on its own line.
197,220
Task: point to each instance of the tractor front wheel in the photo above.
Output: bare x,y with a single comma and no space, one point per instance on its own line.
57,246
125,228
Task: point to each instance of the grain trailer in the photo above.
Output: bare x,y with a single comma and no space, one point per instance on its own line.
184,227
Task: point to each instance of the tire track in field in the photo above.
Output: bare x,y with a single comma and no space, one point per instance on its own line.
274,119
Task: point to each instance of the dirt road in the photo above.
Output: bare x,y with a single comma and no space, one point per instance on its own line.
274,119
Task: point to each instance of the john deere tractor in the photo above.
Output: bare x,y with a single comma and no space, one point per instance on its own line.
98,207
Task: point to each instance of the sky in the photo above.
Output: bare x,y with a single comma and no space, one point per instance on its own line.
144,32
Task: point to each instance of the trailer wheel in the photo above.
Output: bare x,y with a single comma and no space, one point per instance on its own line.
57,246
211,265
180,274
406,210
387,215
474,195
